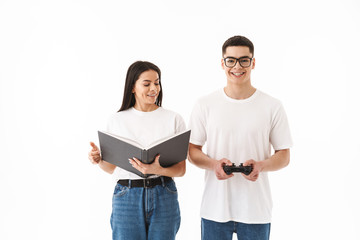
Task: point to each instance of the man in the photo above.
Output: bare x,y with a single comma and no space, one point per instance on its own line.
239,124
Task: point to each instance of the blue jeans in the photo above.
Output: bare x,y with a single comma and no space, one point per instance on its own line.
211,230
145,213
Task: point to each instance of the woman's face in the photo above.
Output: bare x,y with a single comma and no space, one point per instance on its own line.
146,88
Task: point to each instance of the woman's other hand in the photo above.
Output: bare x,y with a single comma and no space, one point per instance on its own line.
94,154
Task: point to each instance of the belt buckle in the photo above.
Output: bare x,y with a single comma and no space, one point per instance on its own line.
146,183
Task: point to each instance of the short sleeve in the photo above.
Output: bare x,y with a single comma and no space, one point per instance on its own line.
180,125
110,123
197,125
280,136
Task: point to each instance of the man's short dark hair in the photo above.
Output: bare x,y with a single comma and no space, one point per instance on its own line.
238,41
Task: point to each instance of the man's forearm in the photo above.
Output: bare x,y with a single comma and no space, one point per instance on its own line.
199,158
279,160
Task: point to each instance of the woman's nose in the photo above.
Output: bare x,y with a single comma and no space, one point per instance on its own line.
153,87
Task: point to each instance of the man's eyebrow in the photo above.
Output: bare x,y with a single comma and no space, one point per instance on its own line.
237,58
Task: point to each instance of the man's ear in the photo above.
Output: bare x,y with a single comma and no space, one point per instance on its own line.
222,64
253,63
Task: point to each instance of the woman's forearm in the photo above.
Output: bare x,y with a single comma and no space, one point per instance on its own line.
107,167
176,170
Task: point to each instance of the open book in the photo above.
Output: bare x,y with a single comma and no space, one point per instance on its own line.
117,150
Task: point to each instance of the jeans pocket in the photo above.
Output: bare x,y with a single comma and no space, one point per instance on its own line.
120,190
171,187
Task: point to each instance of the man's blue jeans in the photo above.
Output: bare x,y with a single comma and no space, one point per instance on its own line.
145,213
211,230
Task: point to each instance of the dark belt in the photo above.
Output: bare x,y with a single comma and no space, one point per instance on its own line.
145,183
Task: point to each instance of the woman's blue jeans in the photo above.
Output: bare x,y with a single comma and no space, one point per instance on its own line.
211,230
145,213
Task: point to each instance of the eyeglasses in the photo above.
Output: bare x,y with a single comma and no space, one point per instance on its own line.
243,61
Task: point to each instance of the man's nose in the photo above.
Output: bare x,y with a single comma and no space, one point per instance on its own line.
237,64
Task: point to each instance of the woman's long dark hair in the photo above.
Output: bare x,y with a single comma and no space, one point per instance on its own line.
133,74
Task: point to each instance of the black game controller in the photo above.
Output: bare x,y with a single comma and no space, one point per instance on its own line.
243,169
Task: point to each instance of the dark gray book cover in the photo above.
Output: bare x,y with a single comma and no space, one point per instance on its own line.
117,150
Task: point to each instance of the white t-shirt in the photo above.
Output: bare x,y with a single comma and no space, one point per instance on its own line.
144,128
238,130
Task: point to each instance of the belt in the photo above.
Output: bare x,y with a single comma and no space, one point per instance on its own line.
145,183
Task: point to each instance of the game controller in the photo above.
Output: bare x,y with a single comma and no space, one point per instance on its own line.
243,169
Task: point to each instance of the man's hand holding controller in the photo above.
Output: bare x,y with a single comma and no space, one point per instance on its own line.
218,169
250,169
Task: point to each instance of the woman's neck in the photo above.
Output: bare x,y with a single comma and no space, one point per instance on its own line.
145,107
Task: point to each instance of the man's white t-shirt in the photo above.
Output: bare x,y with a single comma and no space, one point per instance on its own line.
238,130
144,128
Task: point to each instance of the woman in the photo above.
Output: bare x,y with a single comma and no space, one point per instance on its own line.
139,212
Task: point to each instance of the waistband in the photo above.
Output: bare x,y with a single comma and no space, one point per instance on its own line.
145,183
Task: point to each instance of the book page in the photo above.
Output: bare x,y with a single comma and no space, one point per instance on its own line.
164,139
136,144
132,142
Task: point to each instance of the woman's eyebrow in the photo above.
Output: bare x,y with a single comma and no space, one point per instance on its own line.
146,80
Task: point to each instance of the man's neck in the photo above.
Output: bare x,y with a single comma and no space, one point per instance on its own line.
239,92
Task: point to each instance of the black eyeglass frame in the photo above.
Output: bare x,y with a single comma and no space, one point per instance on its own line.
238,60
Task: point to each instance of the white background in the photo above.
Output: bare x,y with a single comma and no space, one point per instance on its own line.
62,71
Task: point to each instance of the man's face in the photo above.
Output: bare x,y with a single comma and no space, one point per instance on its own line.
237,74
